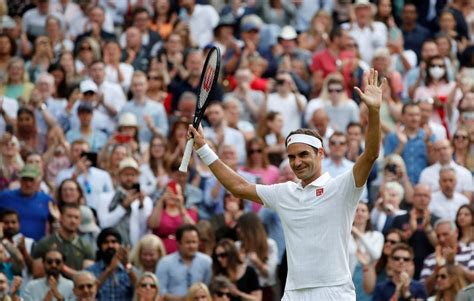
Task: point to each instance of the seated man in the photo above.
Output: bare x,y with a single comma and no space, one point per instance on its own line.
85,286
400,286
53,286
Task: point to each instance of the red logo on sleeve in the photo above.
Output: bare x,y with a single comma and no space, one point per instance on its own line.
319,191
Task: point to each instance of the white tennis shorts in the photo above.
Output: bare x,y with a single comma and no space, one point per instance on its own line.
343,292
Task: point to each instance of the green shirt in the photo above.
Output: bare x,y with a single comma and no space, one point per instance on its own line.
74,251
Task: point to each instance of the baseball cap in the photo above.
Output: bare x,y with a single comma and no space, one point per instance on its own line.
88,85
128,162
30,171
251,22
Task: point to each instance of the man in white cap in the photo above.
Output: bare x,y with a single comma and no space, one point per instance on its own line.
369,34
316,213
127,209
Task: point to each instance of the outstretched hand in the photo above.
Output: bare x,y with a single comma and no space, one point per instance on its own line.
372,95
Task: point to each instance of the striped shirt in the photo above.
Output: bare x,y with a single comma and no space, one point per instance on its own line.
464,257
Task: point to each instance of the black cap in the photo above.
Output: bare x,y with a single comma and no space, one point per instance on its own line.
106,233
85,107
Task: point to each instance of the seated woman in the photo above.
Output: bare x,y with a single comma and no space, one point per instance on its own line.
387,207
226,261
449,281
198,292
146,254
147,288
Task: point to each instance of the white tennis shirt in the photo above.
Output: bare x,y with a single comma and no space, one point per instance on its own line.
317,222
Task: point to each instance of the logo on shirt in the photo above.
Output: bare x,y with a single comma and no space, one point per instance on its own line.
319,191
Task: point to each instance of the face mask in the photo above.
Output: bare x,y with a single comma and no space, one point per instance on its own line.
437,72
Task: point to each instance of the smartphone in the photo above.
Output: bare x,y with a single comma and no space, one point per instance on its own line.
136,187
91,157
122,138
172,185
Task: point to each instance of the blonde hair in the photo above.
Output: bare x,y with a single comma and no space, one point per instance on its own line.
147,241
332,78
195,288
155,281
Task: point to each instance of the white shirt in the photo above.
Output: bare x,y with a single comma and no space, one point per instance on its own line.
368,38
201,23
317,222
231,137
464,180
138,216
70,12
10,106
111,75
370,243
288,108
446,208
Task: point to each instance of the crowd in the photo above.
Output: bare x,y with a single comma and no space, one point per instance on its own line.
95,101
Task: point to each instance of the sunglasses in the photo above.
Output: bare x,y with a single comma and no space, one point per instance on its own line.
337,142
392,242
221,255
442,276
398,258
55,261
461,137
255,151
85,48
222,294
147,285
85,285
335,90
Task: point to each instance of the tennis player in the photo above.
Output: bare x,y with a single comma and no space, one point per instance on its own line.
316,213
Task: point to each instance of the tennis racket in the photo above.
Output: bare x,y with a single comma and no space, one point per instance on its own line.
209,75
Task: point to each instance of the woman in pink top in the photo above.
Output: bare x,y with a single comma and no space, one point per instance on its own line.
169,214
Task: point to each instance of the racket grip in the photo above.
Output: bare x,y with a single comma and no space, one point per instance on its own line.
186,156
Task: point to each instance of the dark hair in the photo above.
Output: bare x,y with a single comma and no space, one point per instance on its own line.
337,134
139,10
94,62
25,110
62,88
185,228
253,235
64,207
408,105
402,246
355,124
7,211
233,258
13,46
468,207
304,131
429,79
336,32
219,283
241,201
106,232
53,249
383,260
261,144
59,197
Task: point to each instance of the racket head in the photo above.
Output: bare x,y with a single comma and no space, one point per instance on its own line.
209,76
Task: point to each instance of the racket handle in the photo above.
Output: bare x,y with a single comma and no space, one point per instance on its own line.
186,156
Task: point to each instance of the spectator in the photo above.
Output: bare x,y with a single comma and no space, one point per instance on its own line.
150,114
201,20
225,224
449,281
316,37
232,115
10,292
142,21
87,51
446,202
11,162
220,288
227,262
336,163
134,53
34,19
93,180
95,25
387,206
127,209
115,275
411,142
89,230
430,175
55,29
320,121
414,34
116,71
179,270
147,288
53,286
462,144
198,291
77,254
400,286
164,18
448,251
16,86
153,173
32,205
257,162
465,225
7,52
466,293
147,253
269,130
85,286
427,110
417,226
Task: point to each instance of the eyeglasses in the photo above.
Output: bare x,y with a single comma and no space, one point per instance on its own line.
398,258
222,294
85,285
442,276
255,151
392,242
334,90
55,261
147,285
221,255
85,48
460,137
337,142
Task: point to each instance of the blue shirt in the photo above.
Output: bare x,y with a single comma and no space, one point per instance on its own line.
96,139
33,211
414,39
414,153
176,277
157,112
117,287
385,290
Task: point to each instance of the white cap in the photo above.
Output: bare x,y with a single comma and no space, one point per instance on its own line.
288,33
88,85
128,119
128,162
382,52
362,3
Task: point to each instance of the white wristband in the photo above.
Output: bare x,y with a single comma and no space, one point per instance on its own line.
207,155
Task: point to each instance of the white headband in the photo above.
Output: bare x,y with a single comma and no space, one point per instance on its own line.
306,139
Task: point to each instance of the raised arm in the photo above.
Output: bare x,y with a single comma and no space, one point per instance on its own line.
372,97
231,180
